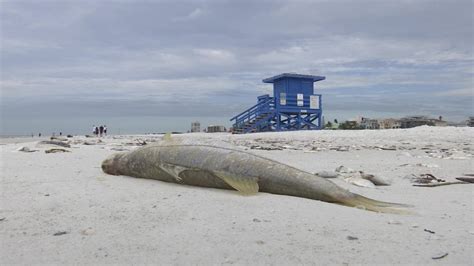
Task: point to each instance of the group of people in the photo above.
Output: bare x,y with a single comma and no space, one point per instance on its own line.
99,131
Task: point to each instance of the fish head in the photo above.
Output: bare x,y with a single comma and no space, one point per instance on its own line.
111,164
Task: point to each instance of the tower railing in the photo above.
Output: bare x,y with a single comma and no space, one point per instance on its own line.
264,106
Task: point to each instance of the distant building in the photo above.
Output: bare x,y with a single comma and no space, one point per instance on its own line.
470,122
415,121
367,123
195,127
350,124
389,123
214,129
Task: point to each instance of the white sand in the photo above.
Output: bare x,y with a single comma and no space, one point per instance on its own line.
117,219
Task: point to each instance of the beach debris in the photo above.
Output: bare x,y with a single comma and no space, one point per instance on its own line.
25,149
429,231
54,142
46,195
137,142
256,220
427,165
360,182
466,179
327,174
429,180
118,149
394,222
440,184
421,165
377,180
69,136
341,148
59,138
88,231
344,170
234,169
386,148
59,233
359,178
56,150
426,179
93,142
3,219
267,148
440,256
352,238
140,142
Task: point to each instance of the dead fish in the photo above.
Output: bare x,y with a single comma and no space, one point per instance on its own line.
54,142
375,179
360,182
55,150
226,168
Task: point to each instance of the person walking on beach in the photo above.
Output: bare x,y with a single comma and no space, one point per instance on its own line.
101,131
95,130
105,130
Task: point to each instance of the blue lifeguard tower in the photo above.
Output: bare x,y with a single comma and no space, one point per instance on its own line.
294,106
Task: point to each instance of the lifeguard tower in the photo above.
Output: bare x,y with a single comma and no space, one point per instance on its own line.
294,106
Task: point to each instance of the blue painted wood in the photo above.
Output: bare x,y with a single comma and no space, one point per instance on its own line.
271,114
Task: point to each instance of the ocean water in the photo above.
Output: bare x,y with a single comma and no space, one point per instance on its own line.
24,126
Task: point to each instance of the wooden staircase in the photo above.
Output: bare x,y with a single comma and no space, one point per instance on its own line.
248,127
257,118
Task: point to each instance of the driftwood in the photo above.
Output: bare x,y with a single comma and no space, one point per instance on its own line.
440,184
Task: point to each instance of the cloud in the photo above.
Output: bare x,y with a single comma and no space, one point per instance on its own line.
200,53
196,13
467,92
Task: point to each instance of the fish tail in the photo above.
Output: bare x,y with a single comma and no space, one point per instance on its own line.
364,203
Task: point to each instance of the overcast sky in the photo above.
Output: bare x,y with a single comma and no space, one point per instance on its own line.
207,58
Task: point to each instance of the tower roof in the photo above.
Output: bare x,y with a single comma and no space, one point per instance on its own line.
293,75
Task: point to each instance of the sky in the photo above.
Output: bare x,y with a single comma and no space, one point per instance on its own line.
154,66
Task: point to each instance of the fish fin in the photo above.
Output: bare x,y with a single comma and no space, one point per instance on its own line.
245,185
173,170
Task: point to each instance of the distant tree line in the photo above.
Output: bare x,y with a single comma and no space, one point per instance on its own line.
343,125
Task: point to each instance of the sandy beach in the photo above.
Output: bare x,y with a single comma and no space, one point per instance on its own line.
60,208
